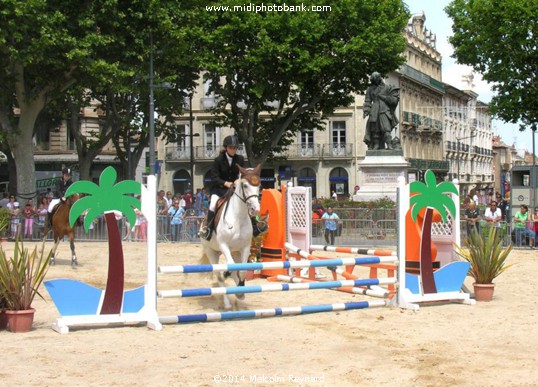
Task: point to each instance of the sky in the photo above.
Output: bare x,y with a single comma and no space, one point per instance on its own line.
440,24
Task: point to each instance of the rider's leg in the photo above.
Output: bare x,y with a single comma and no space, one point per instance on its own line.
208,230
52,206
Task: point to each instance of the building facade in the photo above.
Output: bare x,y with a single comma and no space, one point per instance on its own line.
437,122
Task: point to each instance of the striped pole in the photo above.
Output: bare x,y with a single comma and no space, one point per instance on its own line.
354,250
274,265
273,288
379,292
306,255
258,313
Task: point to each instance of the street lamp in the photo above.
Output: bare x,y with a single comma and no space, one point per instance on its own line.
191,143
151,110
152,86
458,155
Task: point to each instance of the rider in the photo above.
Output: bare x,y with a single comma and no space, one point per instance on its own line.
223,174
62,185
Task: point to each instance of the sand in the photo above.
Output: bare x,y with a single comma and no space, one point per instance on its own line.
487,344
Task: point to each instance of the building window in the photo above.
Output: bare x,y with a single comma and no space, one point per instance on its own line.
211,140
306,142
338,137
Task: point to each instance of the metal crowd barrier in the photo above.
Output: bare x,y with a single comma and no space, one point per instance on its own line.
351,232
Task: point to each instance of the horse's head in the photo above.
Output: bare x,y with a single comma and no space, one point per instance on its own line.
71,199
247,188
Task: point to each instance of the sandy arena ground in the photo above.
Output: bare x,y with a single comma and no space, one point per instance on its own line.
487,344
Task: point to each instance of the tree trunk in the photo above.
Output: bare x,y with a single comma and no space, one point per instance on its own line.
113,299
426,266
85,168
22,149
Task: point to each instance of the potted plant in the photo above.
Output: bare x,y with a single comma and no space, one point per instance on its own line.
487,258
5,220
20,279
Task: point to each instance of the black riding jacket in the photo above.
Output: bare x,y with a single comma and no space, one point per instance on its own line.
222,172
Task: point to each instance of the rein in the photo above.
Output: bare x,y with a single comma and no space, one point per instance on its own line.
243,198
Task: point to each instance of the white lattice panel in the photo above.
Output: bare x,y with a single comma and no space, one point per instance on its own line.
299,217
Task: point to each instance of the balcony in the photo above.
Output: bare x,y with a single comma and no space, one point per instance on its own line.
337,150
208,102
176,153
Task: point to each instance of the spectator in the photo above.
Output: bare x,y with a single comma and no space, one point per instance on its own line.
188,199
316,222
535,222
182,202
334,196
521,231
177,213
28,214
331,224
474,196
9,204
502,205
168,199
493,215
199,202
472,216
41,212
15,220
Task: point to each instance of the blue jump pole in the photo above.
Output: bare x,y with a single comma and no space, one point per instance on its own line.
258,313
275,287
275,265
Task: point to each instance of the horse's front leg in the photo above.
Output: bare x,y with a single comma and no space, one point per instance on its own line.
74,261
241,257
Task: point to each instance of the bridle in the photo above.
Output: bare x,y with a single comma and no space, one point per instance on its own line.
253,180
243,196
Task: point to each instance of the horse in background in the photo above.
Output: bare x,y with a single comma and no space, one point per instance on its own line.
60,228
233,230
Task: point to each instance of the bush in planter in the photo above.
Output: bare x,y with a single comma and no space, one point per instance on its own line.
21,276
485,254
5,220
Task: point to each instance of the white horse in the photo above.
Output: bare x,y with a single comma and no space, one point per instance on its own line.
233,234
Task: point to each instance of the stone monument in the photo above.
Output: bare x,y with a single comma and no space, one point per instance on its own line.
384,161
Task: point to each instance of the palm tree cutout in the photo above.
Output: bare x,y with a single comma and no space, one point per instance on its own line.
105,198
431,196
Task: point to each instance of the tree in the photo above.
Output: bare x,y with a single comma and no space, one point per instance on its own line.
44,46
497,38
48,46
430,196
275,73
106,198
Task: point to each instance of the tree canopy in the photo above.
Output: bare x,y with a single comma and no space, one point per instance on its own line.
499,40
274,73
48,46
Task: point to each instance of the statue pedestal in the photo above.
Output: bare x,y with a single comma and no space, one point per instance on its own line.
378,174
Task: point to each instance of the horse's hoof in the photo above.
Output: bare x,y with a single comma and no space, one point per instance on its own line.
74,263
52,262
227,274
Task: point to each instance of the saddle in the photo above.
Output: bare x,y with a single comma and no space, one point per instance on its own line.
220,207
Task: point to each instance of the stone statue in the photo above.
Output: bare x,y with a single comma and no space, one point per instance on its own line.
379,106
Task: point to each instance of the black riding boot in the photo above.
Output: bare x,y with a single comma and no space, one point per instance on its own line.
208,230
48,221
258,227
